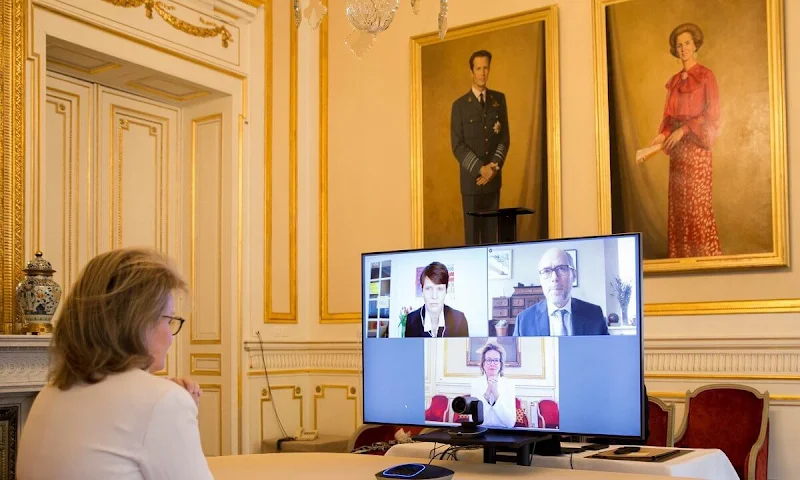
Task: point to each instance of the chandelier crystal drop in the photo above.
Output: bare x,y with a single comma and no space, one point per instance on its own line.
367,17
314,13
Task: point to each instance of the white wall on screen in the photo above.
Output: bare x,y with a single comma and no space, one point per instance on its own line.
447,372
467,296
525,269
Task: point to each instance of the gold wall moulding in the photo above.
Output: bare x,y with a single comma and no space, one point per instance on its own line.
13,32
781,305
162,9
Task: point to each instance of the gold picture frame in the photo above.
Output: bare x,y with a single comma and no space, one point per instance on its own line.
617,105
548,16
12,146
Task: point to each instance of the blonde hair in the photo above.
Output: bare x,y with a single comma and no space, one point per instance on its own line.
493,347
102,325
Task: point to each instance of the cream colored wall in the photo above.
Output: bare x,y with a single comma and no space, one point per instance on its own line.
315,345
207,347
368,138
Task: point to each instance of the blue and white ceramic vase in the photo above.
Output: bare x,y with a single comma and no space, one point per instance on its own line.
38,296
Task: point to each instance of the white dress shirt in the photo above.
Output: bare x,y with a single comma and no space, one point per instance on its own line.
478,93
428,326
503,413
129,426
554,316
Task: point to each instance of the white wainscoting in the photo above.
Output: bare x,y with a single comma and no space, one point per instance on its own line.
768,364
318,384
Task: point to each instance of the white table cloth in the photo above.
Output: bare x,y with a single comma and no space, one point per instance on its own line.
348,466
711,464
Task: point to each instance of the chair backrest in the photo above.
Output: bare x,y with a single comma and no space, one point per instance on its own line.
437,412
370,434
549,411
732,418
660,423
522,417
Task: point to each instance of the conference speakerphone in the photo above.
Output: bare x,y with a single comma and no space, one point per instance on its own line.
415,471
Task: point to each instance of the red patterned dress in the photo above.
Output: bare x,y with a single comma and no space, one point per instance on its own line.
693,105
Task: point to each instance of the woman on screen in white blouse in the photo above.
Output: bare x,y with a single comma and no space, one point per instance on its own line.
104,414
494,390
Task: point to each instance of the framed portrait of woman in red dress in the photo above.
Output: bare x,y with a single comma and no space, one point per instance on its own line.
691,137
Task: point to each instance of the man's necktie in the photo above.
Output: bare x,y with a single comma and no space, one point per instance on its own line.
482,102
564,329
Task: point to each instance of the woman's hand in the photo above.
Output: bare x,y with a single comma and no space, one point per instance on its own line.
491,390
191,387
673,139
658,140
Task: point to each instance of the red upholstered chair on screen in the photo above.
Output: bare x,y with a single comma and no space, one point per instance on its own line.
522,417
548,411
660,423
732,418
437,412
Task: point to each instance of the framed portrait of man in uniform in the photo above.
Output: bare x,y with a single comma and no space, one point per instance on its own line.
485,130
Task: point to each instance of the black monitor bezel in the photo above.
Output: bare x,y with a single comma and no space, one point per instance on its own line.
639,319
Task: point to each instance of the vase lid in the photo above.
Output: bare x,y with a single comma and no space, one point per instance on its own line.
38,266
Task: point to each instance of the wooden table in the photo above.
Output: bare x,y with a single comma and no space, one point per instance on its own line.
348,466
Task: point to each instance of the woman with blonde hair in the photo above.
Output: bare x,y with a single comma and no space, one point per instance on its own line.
103,414
494,390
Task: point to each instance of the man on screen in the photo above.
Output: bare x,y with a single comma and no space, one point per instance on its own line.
559,314
435,319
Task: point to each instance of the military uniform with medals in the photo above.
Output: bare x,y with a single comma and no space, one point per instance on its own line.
479,136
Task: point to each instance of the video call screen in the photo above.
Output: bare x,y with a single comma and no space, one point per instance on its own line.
546,335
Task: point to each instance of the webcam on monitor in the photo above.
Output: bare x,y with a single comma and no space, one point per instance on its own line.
469,428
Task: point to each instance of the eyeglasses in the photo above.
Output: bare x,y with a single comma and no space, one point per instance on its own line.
175,323
491,360
561,271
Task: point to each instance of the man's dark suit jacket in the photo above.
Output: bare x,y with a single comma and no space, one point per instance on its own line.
454,321
478,137
587,319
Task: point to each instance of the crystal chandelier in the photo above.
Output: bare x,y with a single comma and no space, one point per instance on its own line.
367,17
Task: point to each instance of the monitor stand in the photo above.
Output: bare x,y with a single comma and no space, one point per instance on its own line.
502,445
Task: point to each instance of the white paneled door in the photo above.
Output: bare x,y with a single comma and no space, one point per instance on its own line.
120,170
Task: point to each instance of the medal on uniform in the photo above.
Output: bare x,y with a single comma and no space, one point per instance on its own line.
496,127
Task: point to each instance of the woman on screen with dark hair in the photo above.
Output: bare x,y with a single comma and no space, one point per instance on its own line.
435,319
494,390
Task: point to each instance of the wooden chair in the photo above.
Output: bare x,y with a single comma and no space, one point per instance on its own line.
660,421
733,418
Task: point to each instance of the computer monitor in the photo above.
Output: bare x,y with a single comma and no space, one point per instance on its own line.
547,335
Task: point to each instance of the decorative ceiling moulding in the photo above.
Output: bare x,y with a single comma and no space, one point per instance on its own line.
210,29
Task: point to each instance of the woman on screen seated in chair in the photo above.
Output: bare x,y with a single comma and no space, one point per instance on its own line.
494,390
104,414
